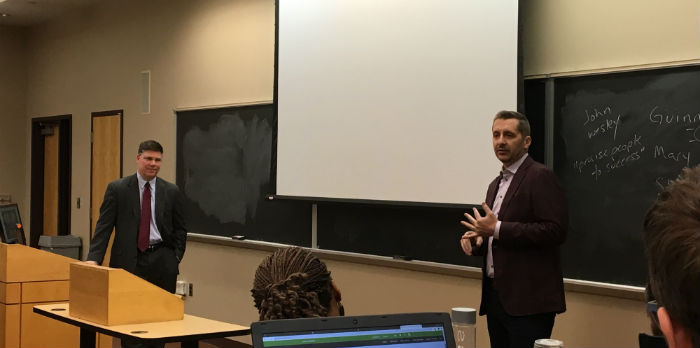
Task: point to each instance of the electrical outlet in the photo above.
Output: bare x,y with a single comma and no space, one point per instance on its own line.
5,198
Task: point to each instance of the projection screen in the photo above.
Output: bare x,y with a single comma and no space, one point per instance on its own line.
392,99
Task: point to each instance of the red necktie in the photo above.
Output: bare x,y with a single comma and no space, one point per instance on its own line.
145,224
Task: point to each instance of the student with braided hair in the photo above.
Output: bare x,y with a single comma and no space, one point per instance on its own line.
293,283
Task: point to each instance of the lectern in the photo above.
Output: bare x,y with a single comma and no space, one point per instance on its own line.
117,303
113,296
29,277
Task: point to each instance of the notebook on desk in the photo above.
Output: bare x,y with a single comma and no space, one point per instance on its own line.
426,330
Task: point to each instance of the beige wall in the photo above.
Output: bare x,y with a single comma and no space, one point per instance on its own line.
221,52
580,36
199,53
13,125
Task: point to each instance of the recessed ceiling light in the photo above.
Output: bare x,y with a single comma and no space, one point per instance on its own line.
4,14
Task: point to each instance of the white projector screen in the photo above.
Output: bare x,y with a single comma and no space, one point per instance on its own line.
392,99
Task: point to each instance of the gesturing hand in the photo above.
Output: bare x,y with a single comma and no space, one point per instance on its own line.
480,226
466,243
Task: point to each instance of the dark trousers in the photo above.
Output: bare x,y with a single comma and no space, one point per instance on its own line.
158,266
514,331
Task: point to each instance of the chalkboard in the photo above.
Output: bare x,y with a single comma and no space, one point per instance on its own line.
618,139
223,167
415,232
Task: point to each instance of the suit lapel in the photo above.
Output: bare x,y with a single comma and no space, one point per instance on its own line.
159,207
133,184
491,192
515,184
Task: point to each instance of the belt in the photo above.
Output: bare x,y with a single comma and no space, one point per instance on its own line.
154,247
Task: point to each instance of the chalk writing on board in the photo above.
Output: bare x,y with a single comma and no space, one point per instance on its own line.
659,118
605,122
694,134
594,114
677,156
609,159
226,165
599,121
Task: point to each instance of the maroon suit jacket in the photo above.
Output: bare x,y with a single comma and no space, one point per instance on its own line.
533,215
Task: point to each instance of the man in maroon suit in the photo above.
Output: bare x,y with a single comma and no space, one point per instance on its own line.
524,224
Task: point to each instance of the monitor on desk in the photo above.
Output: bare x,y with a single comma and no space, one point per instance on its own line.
11,230
427,330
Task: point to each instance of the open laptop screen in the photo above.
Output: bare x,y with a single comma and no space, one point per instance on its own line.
427,330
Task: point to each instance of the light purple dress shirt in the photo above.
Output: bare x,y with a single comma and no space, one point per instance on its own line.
503,186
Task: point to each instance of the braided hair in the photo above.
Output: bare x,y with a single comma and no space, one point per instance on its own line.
292,283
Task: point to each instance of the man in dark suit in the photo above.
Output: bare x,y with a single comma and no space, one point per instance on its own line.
148,215
519,238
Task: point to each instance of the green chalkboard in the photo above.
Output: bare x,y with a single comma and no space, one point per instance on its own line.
619,138
224,168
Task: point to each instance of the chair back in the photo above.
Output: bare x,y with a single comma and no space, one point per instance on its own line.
650,341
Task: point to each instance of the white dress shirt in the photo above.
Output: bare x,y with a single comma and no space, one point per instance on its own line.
155,237
503,185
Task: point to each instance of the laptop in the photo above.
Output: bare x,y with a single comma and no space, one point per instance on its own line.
426,330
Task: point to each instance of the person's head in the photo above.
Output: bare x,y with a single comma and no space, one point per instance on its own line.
672,248
293,283
148,159
511,136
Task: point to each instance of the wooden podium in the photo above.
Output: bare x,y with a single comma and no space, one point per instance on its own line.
113,296
187,331
117,303
30,277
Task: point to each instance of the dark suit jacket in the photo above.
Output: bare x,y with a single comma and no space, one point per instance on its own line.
121,209
533,215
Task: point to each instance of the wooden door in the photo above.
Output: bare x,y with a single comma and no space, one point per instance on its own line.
106,162
106,157
51,160
50,209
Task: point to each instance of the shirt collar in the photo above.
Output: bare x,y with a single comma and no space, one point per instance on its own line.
514,167
143,181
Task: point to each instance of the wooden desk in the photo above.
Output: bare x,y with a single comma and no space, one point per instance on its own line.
188,330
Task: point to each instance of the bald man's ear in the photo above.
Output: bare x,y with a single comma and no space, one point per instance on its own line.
676,334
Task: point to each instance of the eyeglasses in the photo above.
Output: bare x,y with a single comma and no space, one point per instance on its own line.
652,308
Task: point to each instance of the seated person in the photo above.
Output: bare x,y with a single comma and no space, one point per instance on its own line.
293,283
672,247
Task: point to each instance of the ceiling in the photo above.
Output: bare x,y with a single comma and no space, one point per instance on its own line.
27,13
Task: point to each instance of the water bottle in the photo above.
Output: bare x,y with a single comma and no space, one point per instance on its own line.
464,326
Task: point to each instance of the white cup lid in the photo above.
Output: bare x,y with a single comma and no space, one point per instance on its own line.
548,342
